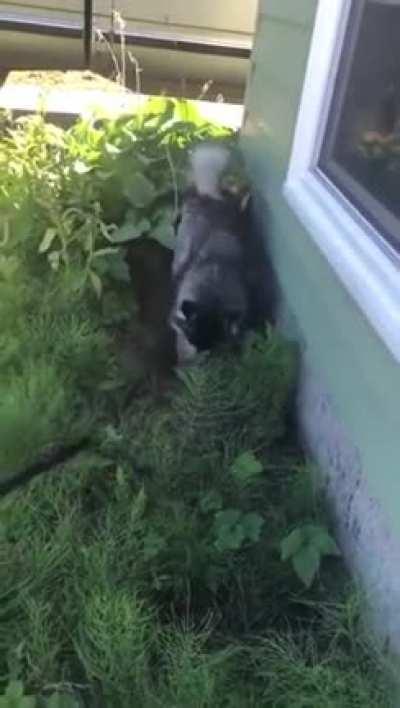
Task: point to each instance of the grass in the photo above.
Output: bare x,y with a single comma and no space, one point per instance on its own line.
125,582
148,571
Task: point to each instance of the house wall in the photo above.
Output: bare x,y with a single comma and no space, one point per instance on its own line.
349,393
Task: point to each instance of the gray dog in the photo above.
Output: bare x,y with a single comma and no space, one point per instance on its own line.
215,269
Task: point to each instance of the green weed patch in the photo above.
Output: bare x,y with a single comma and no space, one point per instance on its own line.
181,560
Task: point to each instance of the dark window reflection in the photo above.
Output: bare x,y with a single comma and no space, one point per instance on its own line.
361,151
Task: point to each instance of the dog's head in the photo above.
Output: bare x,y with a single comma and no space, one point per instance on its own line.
207,328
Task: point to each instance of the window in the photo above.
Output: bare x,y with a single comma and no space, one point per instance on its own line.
343,180
361,145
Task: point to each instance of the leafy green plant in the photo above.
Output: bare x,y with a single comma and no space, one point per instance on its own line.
95,187
305,547
246,468
233,529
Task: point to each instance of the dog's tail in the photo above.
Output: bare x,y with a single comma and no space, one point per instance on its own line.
208,162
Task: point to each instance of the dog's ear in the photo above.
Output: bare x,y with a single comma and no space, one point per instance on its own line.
190,309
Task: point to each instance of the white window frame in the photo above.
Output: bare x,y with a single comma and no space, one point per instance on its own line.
364,262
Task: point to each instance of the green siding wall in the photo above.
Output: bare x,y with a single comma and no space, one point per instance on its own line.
341,347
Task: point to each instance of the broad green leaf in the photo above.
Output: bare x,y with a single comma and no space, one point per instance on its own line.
230,538
112,149
292,544
96,282
130,230
139,190
124,233
228,517
228,530
181,126
105,252
319,537
164,233
81,168
159,106
211,501
47,240
246,467
158,112
306,564
305,546
188,112
252,525
328,546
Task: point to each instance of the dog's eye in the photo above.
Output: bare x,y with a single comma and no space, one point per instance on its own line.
189,310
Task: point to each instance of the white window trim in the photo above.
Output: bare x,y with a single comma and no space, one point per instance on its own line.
366,265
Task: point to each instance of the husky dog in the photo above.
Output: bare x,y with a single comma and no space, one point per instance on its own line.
212,301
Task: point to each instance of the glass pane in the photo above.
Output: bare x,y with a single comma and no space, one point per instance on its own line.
361,150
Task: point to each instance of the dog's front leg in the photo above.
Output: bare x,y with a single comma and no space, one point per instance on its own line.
186,353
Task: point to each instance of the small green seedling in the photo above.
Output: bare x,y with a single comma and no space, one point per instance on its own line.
246,468
233,528
305,547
